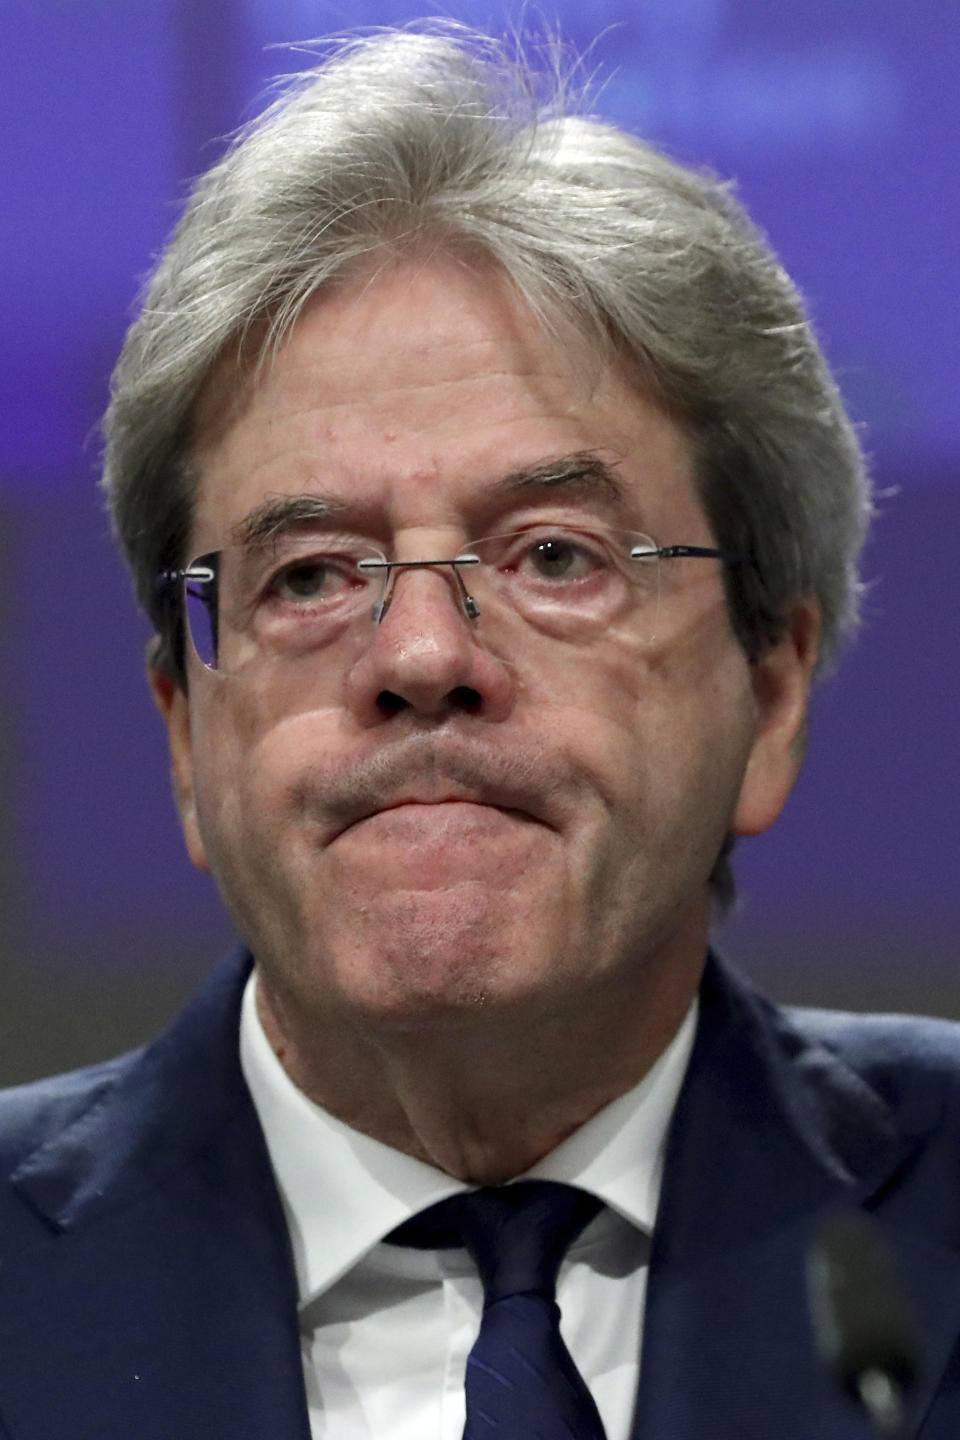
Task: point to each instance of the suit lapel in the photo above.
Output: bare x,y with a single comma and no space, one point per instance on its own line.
158,1298
771,1133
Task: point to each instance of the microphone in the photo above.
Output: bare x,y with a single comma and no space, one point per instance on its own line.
862,1325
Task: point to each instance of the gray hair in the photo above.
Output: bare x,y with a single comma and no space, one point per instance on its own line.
439,137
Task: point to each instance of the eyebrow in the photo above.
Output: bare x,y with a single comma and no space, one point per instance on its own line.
582,472
278,513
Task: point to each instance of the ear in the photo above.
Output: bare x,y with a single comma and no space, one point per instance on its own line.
781,680
174,705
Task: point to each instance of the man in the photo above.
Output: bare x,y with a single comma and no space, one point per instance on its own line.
495,511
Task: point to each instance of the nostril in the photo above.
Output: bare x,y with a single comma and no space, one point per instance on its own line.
390,703
464,697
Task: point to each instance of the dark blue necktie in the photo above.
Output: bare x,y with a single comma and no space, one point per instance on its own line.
521,1382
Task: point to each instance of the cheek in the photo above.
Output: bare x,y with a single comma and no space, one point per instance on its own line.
259,848
247,756
588,703
646,719
677,728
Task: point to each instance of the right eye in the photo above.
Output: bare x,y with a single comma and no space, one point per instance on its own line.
312,578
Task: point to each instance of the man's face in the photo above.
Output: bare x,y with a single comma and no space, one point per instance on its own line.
455,812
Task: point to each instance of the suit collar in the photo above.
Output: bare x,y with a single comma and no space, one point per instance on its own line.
772,1133
161,1109
763,1105
830,1135
158,1297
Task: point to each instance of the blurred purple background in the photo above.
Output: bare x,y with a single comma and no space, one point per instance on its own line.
839,124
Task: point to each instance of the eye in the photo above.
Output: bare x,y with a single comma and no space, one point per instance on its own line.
312,578
562,557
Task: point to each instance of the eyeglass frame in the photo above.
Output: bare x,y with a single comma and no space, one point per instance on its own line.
169,581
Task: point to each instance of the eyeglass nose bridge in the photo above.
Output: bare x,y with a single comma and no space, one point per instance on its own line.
389,569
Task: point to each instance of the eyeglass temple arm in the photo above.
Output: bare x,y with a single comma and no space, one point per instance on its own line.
166,580
704,552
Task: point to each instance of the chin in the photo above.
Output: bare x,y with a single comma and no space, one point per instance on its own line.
417,978
414,958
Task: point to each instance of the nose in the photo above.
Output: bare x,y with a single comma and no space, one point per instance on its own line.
426,657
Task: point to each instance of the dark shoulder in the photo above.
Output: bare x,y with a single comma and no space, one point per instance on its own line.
913,1061
34,1113
916,1041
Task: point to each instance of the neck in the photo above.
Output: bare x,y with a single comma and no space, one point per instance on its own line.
485,1097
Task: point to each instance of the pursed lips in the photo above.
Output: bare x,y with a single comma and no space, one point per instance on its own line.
505,805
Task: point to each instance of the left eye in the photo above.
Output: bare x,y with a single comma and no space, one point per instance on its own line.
562,557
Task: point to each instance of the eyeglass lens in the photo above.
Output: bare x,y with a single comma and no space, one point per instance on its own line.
306,593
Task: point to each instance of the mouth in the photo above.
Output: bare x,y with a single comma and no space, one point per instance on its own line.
414,812
433,782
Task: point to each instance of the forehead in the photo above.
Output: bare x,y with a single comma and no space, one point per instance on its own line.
412,394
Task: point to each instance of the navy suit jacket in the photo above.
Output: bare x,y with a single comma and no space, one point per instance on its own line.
146,1286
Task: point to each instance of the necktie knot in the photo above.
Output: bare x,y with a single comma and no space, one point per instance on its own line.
517,1234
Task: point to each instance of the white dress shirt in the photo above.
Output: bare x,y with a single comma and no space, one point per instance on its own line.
386,1329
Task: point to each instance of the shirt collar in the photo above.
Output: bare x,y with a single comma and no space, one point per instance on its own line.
342,1191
